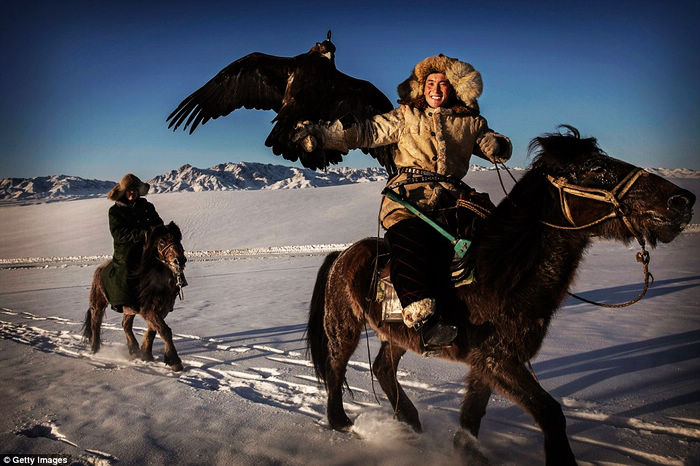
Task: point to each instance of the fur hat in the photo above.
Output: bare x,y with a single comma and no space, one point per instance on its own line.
465,80
128,181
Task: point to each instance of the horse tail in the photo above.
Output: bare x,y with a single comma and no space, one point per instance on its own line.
87,326
316,338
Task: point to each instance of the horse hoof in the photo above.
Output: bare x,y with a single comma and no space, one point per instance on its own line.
417,427
468,448
342,426
413,422
176,367
147,357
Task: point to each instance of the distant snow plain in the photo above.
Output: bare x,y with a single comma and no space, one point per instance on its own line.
628,379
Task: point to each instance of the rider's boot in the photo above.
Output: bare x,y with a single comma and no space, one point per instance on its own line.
422,316
435,332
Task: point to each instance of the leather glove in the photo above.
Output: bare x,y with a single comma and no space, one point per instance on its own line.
309,135
496,147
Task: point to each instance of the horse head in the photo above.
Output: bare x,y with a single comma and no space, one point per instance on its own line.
605,196
164,244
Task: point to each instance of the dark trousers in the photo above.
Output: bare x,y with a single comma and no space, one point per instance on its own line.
420,260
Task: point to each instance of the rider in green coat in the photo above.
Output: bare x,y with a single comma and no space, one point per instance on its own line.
130,218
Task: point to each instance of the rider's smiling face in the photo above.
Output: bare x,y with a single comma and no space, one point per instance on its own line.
437,89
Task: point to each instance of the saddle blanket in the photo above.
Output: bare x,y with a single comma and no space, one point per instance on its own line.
391,306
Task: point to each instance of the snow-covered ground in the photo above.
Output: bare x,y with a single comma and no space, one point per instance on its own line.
628,379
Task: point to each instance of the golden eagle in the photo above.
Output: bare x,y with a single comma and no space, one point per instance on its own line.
307,87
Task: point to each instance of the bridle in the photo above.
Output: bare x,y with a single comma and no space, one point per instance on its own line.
612,197
163,248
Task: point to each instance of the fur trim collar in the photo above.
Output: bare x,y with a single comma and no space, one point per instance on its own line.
465,80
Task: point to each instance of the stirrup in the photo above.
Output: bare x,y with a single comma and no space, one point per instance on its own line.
434,333
461,273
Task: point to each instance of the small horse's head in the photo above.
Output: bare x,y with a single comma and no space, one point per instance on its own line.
589,187
165,243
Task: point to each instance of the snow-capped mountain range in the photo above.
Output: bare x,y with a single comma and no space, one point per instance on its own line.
248,175
54,187
222,177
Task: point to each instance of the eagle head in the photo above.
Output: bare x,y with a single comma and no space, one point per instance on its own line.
325,48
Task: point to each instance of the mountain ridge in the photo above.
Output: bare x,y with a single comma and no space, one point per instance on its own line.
228,176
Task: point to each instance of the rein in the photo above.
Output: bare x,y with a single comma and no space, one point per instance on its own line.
612,197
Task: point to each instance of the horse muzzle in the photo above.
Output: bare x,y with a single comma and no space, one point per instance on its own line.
668,222
682,205
680,208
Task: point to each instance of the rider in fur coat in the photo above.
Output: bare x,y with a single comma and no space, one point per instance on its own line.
130,218
437,128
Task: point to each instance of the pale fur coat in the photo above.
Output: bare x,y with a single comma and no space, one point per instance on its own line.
440,140
434,139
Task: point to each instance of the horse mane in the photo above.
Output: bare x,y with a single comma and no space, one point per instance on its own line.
555,152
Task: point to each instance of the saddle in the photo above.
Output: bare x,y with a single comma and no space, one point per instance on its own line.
471,209
392,311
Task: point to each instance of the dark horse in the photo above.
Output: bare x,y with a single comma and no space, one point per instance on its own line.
159,278
524,264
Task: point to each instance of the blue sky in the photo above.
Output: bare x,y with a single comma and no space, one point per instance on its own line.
86,85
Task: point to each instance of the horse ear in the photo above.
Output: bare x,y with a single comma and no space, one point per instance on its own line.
175,230
156,231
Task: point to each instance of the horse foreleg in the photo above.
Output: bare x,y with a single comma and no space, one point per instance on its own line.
470,415
147,344
131,342
156,322
385,365
474,404
520,386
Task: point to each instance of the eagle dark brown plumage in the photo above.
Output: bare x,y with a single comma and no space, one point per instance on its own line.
307,87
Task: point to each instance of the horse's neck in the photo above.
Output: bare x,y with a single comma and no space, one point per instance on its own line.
155,282
522,256
148,263
152,271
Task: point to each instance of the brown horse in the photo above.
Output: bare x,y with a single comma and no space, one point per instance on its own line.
524,262
160,281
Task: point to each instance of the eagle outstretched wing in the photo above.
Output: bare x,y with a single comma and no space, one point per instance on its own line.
256,81
306,87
